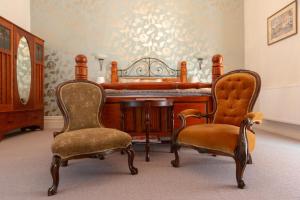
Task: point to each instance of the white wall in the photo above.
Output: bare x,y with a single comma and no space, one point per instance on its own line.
278,64
16,11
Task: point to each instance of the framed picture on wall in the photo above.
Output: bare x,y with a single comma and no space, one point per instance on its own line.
283,23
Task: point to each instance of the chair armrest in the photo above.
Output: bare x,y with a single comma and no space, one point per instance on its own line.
193,113
242,151
255,117
183,115
56,133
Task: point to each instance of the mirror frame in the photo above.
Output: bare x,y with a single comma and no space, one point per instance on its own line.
20,99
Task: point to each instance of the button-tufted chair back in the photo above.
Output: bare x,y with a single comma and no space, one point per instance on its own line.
80,102
234,96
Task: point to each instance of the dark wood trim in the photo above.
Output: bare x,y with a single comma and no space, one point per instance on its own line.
154,85
58,161
10,22
147,105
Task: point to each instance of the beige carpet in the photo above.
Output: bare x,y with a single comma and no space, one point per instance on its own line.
25,161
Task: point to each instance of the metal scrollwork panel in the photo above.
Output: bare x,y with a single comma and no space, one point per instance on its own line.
148,67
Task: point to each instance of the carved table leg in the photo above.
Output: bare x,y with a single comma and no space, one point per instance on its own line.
55,175
172,129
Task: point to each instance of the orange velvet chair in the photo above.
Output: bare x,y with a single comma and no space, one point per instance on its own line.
230,132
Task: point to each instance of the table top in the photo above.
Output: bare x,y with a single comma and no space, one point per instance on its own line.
153,102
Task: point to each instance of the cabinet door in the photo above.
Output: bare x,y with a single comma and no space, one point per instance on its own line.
6,65
38,80
24,74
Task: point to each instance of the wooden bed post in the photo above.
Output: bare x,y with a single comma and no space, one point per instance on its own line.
114,72
217,68
183,72
81,71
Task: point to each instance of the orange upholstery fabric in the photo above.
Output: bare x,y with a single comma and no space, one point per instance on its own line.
233,96
220,137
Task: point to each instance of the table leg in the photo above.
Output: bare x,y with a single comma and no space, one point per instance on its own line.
172,129
147,119
1,135
122,120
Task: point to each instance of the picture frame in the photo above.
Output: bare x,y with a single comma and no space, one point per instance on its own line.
283,23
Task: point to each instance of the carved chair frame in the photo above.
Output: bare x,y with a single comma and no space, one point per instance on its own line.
57,161
241,155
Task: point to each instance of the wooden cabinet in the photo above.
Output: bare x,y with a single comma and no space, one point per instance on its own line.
21,78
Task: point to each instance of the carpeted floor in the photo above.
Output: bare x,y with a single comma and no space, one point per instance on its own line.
25,161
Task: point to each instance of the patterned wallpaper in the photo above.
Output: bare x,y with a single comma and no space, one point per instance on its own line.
171,30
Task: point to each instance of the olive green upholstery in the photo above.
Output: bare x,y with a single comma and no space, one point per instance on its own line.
83,134
89,141
81,102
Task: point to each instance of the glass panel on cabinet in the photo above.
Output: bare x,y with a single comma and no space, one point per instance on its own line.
4,38
39,52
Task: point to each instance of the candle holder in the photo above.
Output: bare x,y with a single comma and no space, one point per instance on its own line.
200,61
100,59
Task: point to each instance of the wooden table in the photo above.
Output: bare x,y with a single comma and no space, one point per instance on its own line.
147,104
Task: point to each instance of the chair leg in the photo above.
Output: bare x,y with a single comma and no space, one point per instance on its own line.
130,154
100,157
55,175
249,161
64,163
241,161
175,163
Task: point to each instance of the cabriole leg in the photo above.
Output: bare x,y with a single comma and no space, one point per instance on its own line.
249,159
130,154
55,175
64,163
241,162
175,163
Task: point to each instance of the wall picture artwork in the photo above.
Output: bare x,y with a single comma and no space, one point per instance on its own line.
283,23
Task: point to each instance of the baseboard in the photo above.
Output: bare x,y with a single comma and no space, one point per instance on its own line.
53,122
279,128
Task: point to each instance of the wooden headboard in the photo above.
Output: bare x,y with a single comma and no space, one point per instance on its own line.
176,79
152,68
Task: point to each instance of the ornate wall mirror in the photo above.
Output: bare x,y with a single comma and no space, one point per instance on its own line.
23,70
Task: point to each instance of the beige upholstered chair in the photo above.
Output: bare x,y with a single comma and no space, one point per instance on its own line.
230,133
83,135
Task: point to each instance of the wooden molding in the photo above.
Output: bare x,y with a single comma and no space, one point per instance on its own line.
217,68
81,70
114,72
183,72
53,122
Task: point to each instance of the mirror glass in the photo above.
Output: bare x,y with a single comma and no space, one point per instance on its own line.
23,70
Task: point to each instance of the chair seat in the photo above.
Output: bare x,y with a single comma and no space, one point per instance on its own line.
87,141
220,137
